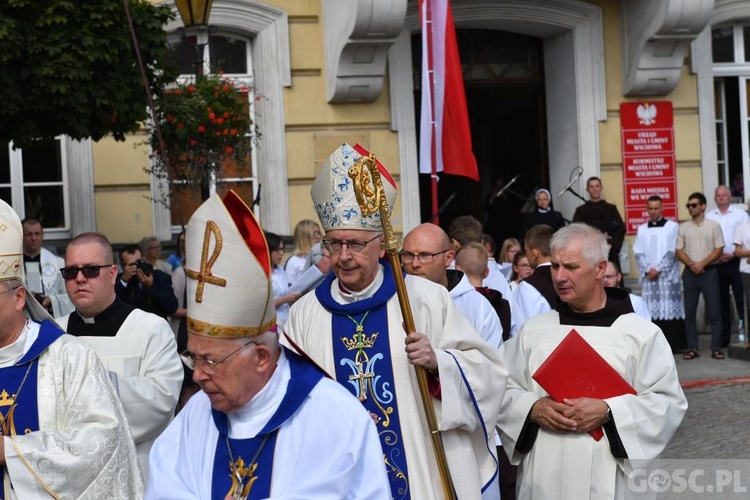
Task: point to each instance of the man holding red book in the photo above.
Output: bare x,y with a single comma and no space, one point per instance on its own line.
555,440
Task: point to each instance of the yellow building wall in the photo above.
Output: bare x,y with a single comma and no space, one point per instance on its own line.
315,128
684,99
122,188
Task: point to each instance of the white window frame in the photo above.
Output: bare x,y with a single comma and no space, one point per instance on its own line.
18,184
162,215
739,69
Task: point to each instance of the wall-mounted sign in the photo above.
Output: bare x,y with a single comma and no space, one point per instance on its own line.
648,163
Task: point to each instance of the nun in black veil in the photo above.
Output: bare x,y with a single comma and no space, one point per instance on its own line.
543,212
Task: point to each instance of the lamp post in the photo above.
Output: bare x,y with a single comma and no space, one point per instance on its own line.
194,14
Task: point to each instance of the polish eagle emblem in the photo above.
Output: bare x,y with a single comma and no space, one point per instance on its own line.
646,114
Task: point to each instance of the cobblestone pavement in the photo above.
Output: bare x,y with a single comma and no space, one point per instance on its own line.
717,424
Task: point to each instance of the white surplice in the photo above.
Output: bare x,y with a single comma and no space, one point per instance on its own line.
147,374
478,311
574,466
46,279
460,351
84,448
328,449
655,248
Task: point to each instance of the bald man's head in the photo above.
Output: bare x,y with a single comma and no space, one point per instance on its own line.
427,252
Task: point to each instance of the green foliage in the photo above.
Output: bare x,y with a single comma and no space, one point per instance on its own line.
69,67
203,126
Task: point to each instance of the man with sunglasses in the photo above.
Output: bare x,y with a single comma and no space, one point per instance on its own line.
352,326
138,348
63,429
700,243
266,423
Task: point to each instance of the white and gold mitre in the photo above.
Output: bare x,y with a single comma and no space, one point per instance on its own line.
228,271
333,193
11,244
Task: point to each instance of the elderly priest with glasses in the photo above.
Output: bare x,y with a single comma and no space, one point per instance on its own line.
64,433
266,423
352,326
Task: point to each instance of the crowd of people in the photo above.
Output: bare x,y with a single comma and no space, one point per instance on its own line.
225,372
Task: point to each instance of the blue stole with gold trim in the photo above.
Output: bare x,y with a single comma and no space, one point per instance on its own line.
304,377
361,348
23,416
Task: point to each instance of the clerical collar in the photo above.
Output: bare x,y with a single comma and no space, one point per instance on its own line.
36,258
249,420
344,296
618,303
10,354
105,324
542,210
660,223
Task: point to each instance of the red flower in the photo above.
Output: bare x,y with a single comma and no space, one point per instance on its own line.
226,131
178,92
211,116
193,142
180,125
191,88
233,131
220,120
229,150
226,114
225,88
201,128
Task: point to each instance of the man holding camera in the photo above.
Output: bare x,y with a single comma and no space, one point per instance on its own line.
142,286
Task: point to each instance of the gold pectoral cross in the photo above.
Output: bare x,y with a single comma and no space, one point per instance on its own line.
362,377
204,274
240,472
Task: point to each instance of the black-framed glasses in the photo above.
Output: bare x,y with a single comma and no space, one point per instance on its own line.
71,273
354,246
424,257
207,365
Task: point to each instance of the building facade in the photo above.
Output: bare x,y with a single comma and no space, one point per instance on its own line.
544,82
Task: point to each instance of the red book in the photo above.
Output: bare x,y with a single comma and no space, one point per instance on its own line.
576,370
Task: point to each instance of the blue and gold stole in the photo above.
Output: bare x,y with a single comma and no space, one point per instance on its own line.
362,352
253,457
19,413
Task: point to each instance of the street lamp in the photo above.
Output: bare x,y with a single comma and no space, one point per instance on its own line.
194,14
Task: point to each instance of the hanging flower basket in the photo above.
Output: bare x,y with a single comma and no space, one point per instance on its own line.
203,125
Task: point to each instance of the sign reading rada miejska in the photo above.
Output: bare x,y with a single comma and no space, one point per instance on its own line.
648,162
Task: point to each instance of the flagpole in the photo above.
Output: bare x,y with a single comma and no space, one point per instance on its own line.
433,121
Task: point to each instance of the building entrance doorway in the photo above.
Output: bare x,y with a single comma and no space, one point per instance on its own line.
504,81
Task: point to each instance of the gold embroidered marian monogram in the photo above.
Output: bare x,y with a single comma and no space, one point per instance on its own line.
6,421
204,274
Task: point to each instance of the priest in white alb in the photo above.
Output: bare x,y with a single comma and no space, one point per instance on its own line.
351,325
266,423
64,433
138,348
559,459
659,273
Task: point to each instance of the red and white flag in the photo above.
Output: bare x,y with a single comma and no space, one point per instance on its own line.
443,93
